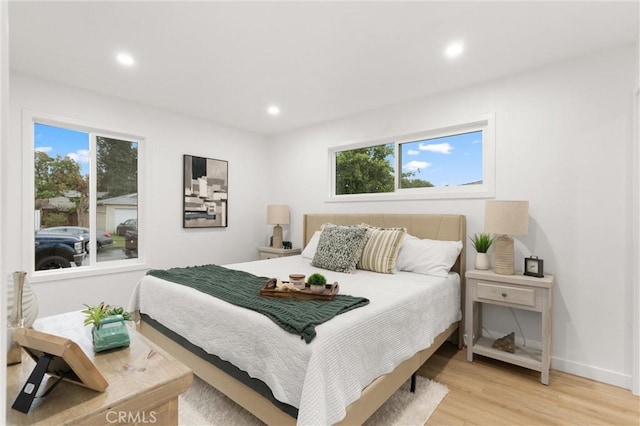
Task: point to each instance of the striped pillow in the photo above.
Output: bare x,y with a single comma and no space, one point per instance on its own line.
381,250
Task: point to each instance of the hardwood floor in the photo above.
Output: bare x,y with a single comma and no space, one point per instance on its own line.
488,392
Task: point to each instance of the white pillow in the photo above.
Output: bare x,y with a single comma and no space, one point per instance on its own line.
310,250
427,257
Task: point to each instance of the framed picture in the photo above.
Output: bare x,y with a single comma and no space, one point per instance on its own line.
58,357
206,188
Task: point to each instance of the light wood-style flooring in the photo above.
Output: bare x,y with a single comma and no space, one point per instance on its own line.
488,392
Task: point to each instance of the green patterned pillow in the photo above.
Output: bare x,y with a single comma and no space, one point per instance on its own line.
381,251
340,247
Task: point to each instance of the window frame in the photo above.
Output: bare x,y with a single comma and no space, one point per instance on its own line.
486,189
29,120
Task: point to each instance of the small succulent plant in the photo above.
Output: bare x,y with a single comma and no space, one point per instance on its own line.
316,279
96,313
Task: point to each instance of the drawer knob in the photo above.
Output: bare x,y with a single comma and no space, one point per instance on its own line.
504,294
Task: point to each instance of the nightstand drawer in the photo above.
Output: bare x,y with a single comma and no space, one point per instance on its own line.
507,294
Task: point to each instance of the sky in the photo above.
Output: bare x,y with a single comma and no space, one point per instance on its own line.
451,160
65,143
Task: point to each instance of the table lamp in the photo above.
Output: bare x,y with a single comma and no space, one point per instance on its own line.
277,215
505,218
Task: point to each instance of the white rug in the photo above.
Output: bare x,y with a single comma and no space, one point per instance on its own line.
202,405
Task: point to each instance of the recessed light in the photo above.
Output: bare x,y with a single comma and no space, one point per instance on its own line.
125,59
454,49
273,110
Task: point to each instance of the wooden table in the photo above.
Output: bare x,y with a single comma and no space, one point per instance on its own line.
144,383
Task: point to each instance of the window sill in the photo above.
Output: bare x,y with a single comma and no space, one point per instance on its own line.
447,193
79,272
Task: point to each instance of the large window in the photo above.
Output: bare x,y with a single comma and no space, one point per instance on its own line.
84,199
452,162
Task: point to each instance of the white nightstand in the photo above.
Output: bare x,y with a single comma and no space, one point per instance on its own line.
513,291
271,253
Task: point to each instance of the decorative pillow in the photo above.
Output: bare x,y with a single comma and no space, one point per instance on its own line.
310,250
381,251
339,248
428,257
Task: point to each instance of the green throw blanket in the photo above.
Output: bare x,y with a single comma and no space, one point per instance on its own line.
243,289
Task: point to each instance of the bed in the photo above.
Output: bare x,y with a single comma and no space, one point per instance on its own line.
332,366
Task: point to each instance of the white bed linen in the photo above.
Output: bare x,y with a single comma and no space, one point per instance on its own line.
406,312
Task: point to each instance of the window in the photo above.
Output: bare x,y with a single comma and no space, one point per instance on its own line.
452,162
83,196
367,170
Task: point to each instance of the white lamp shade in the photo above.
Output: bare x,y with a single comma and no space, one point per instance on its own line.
277,214
506,217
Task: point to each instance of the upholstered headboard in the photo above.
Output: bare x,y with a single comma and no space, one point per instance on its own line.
446,227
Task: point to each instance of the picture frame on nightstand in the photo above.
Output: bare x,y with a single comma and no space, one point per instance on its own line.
534,267
59,357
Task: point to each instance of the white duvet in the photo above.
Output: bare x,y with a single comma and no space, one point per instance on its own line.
406,312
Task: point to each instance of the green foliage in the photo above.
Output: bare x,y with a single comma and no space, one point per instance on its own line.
54,219
53,176
317,279
365,170
118,310
117,171
96,313
481,242
408,180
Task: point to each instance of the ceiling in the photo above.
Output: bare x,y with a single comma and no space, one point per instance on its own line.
318,61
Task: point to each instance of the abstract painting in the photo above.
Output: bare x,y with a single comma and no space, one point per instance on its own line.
206,188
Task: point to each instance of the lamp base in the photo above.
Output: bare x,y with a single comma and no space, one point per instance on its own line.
505,258
277,237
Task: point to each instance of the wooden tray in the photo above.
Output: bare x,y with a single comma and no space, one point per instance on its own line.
329,292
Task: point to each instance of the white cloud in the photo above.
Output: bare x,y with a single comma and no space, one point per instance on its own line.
81,156
414,166
43,149
441,148
476,141
412,152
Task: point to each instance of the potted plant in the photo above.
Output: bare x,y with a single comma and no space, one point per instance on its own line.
481,242
109,330
317,283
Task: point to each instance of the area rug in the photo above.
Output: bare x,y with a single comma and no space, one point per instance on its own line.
202,405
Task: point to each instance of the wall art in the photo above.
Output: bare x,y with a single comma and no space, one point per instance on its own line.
206,188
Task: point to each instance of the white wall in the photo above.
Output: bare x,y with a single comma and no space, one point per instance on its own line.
563,142
168,137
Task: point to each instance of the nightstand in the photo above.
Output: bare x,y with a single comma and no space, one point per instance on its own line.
512,291
272,253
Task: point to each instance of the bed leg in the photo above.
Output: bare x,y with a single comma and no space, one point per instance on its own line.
412,389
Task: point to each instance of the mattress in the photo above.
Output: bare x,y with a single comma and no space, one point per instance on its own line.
406,312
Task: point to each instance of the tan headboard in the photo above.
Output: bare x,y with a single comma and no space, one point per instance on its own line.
446,227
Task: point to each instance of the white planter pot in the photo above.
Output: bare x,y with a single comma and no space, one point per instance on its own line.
316,288
482,261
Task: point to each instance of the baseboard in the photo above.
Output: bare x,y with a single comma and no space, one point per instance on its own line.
590,372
